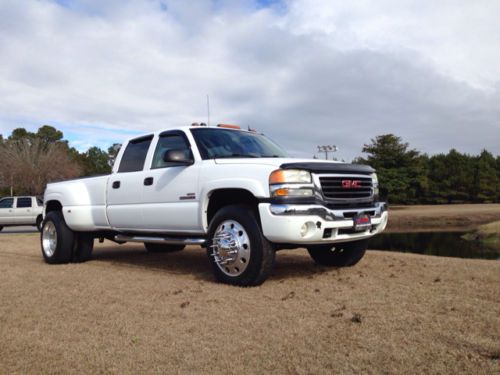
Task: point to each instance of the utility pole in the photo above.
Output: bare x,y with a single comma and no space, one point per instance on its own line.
326,149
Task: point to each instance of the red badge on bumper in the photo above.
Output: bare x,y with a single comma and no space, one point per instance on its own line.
362,222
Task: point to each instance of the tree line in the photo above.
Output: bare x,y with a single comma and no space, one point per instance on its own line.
407,176
29,160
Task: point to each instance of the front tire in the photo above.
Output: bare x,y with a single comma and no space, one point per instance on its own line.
57,240
345,254
162,248
237,250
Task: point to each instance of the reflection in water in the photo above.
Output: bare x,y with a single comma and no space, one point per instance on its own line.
435,243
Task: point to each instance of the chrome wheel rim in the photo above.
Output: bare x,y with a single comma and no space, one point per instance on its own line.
231,248
49,238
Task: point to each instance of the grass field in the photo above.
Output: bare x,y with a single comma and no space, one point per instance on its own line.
130,312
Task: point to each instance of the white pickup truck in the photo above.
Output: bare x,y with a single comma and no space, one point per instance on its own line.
231,191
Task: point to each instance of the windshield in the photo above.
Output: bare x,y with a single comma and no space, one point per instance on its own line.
223,143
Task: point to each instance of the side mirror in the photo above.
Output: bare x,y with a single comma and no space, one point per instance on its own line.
179,157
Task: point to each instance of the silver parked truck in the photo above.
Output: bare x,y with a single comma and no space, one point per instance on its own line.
16,211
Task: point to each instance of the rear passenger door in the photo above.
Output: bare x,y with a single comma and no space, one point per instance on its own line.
23,212
124,190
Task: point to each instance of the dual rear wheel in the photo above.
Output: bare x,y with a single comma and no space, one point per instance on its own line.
60,244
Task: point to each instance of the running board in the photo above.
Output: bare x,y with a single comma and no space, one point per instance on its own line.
164,240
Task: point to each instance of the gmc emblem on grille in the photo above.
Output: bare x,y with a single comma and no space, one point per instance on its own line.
351,184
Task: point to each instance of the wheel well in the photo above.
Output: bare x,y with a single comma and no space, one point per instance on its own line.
53,206
225,197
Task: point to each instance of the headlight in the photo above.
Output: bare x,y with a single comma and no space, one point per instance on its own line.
375,184
289,176
290,183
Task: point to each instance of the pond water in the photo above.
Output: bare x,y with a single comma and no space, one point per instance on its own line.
447,244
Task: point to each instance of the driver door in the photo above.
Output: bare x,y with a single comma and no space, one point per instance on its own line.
170,194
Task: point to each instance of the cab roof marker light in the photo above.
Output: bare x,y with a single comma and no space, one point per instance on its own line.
228,126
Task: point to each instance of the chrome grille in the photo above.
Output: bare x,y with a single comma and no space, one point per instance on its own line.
336,187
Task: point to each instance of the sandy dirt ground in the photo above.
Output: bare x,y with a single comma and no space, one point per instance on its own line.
130,312
451,218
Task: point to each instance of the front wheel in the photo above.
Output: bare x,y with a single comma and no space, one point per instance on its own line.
340,254
57,239
237,250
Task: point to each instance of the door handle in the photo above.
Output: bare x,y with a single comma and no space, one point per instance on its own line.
116,185
148,181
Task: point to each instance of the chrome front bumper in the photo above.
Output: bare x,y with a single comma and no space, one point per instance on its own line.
325,213
284,223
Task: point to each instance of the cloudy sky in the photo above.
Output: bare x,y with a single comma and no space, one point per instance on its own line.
304,72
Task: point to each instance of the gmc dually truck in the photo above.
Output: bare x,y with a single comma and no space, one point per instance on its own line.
231,191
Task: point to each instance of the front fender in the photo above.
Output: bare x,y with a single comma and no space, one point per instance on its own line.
253,186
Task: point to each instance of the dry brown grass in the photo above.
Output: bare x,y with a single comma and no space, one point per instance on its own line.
456,217
490,229
127,311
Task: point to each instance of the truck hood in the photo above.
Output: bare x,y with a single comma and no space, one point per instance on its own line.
312,165
263,161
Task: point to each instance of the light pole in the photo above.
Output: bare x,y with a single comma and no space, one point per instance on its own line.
326,149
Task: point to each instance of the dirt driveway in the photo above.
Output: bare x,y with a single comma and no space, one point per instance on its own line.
127,311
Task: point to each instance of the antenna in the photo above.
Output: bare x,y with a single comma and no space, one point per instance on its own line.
208,110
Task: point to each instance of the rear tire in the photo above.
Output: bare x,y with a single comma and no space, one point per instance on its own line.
236,248
345,254
39,221
57,240
162,248
83,247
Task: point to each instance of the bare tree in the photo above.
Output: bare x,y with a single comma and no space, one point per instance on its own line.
28,164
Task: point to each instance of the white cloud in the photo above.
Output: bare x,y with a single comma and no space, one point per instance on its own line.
306,72
460,38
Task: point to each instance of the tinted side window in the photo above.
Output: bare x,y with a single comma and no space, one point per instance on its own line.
23,202
7,203
135,155
39,202
169,142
